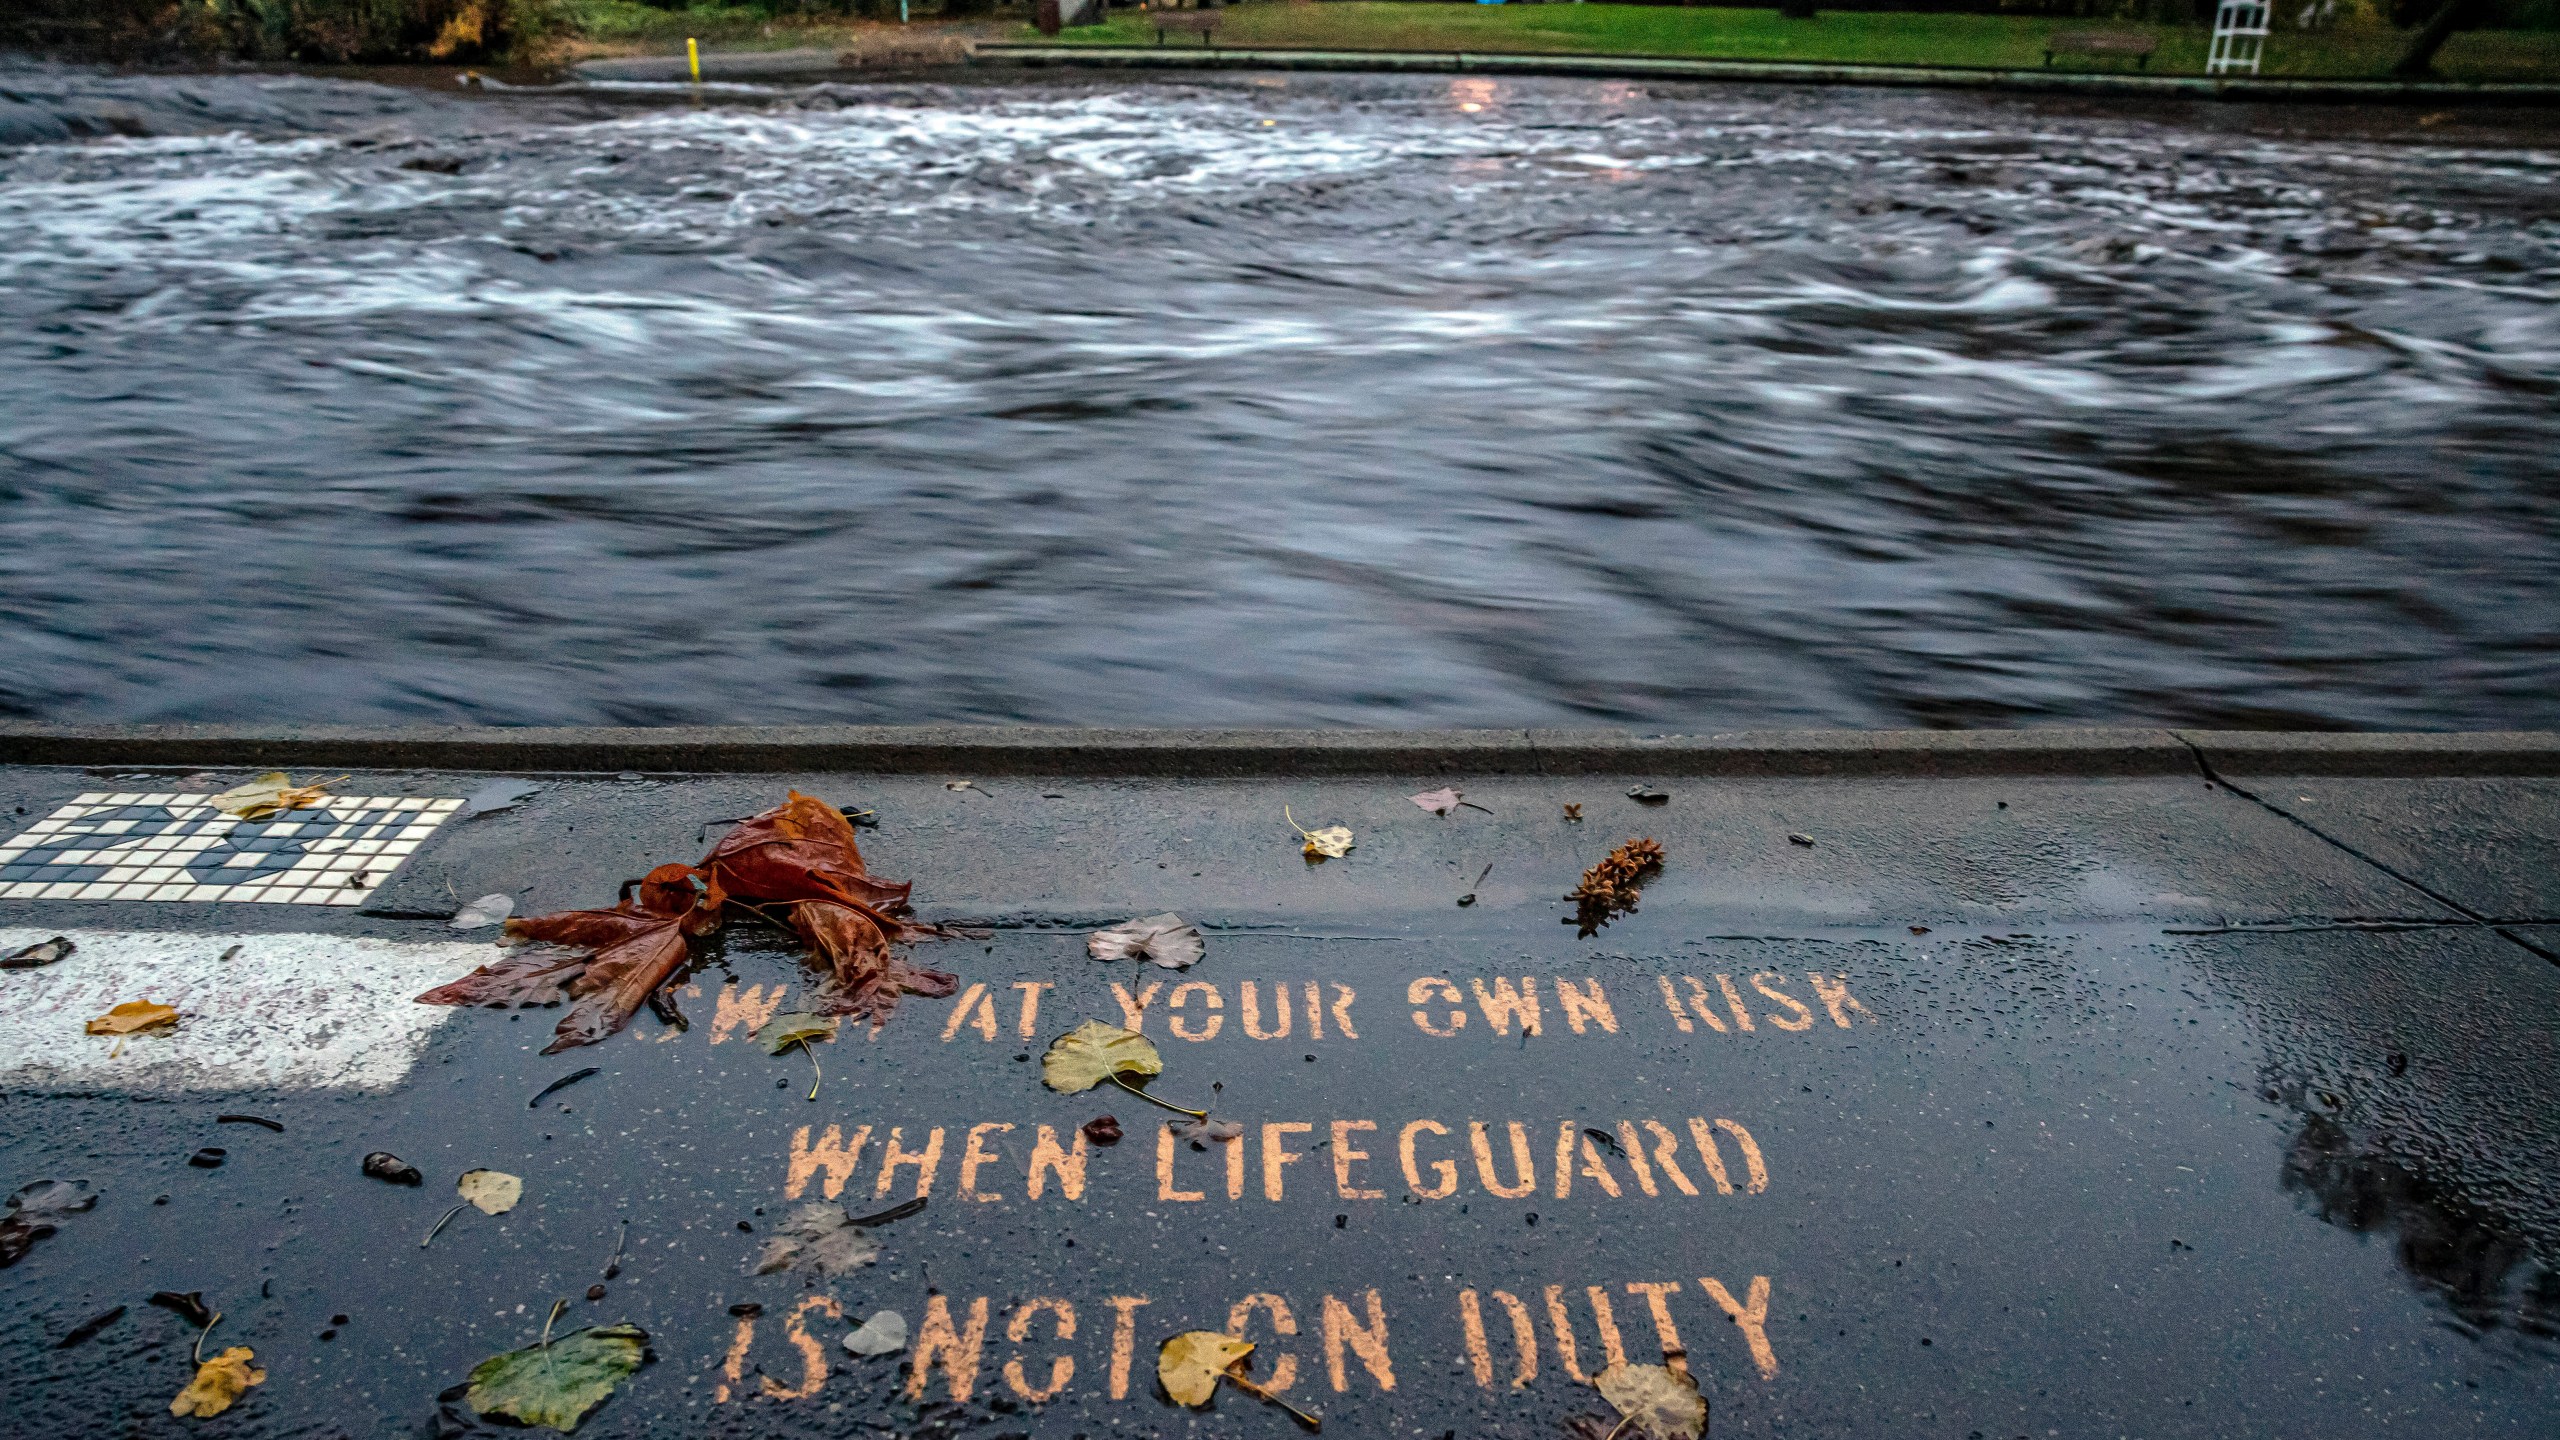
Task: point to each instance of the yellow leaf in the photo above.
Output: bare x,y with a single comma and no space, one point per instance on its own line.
218,1382
493,1192
271,794
1094,1052
1330,843
1657,1400
132,1016
1191,1364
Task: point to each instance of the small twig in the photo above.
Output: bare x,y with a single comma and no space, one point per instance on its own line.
563,1083
207,1330
894,1212
1150,1099
1258,1393
275,1125
1470,804
613,1262
556,1307
449,1214
813,1066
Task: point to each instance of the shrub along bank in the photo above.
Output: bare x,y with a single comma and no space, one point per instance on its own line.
318,30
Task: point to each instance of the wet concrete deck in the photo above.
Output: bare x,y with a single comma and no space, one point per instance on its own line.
2208,1100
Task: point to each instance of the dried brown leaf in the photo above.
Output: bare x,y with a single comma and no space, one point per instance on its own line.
134,1016
867,976
1612,887
632,949
801,849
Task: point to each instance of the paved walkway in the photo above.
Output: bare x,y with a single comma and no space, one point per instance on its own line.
2170,1084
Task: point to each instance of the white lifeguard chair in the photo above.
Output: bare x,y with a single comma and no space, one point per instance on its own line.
2239,37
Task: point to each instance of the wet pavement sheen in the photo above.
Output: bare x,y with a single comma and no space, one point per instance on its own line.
2076,1126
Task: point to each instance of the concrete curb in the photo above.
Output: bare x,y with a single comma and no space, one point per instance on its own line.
2279,752
1210,754
1654,67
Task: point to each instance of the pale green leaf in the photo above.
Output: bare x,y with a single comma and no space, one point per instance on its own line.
1094,1052
557,1384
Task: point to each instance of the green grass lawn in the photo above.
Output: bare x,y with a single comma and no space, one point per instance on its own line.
620,26
1868,38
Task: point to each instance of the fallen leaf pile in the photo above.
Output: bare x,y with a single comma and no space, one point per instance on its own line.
218,1382
37,1211
796,865
557,1382
606,962
1167,940
1612,887
801,854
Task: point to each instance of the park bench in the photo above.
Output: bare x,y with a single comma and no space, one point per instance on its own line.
1203,23
2135,43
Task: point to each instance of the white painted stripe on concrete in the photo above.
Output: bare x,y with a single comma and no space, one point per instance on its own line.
286,1012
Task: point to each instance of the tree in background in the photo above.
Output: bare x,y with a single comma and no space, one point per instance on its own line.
2419,60
330,30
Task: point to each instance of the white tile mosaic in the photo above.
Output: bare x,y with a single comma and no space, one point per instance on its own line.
107,846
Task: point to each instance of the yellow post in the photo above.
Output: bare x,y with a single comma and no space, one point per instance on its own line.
693,57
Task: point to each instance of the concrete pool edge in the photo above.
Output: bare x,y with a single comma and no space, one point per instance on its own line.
1200,753
1653,67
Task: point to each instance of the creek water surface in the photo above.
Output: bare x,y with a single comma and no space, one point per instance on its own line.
1305,400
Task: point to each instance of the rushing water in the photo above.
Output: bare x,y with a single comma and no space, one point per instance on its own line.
1317,400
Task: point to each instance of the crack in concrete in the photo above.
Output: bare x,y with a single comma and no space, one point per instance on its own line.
2472,918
